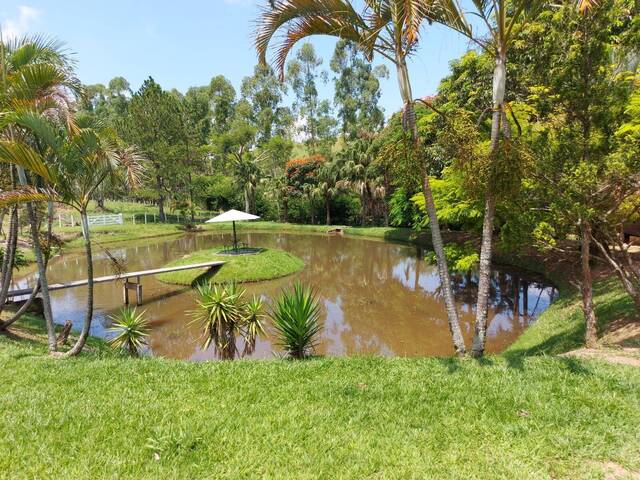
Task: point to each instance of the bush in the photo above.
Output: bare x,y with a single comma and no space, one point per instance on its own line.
296,317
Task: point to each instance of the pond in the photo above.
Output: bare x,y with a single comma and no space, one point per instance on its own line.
378,298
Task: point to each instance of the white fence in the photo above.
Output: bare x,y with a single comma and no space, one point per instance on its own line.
114,219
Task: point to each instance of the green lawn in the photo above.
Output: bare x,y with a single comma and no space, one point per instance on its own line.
265,265
108,417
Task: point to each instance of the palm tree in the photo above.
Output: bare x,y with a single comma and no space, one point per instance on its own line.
35,74
328,186
73,165
247,174
390,28
360,175
503,21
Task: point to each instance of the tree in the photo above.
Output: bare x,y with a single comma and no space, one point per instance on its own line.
503,22
328,186
389,28
264,93
36,76
73,163
357,90
313,113
236,146
154,124
222,97
584,181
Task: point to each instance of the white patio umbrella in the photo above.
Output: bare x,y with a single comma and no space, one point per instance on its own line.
233,216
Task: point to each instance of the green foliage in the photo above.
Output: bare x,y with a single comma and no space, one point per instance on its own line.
132,330
357,90
223,314
402,211
460,258
19,259
296,318
454,207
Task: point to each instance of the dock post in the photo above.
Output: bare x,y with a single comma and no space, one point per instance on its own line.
138,291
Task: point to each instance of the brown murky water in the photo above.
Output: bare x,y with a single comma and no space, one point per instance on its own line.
378,297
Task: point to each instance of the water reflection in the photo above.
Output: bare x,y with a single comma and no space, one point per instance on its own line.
378,298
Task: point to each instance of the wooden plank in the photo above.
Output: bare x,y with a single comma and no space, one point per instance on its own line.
124,276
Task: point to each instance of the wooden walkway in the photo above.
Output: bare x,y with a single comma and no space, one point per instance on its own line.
137,286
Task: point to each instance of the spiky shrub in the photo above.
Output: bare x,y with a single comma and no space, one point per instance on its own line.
224,314
252,327
296,318
132,330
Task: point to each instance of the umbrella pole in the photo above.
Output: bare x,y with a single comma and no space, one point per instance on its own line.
235,239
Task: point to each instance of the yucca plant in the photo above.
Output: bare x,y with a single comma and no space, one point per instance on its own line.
252,328
224,315
296,318
132,328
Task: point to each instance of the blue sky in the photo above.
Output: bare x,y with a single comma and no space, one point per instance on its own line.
183,44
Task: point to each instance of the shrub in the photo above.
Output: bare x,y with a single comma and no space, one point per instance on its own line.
132,331
296,317
224,314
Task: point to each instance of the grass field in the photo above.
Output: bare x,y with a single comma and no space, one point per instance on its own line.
109,417
265,265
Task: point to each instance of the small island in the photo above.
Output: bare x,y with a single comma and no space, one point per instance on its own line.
265,264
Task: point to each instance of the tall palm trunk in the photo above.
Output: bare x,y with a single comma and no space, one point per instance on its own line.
486,250
247,205
42,268
8,260
410,124
86,326
327,206
591,334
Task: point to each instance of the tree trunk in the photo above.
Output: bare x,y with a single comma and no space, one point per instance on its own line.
486,250
327,206
591,334
285,209
7,261
443,268
246,201
100,202
42,268
86,326
409,124
23,308
191,207
161,216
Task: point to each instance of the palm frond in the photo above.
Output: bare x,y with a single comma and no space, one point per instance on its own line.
302,18
23,195
26,157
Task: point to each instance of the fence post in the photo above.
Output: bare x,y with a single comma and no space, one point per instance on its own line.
154,218
134,218
145,218
178,215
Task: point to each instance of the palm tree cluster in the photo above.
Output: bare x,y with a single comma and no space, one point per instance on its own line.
54,155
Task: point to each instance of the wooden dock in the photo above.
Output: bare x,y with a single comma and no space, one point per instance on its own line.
128,285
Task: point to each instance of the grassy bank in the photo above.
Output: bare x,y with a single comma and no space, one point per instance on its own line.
561,327
265,265
104,416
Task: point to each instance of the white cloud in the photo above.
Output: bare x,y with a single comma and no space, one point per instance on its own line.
15,27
